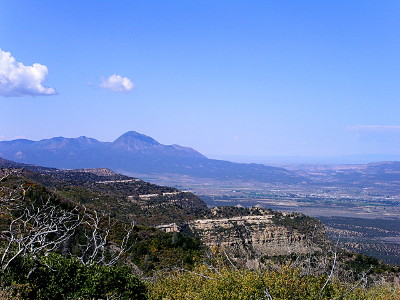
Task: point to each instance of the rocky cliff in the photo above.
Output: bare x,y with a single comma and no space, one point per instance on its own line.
256,232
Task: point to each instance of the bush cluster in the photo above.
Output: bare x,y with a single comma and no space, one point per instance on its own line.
288,283
57,277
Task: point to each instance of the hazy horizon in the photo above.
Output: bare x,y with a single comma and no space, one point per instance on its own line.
290,160
250,80
308,160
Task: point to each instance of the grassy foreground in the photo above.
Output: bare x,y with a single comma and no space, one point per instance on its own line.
286,283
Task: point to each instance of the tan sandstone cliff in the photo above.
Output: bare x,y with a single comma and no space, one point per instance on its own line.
257,232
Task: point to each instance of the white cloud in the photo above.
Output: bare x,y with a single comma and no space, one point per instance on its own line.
386,128
17,80
117,83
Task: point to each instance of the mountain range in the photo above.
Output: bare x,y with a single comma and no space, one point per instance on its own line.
135,153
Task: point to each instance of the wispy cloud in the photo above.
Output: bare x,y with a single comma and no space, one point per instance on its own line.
117,83
17,80
374,128
383,135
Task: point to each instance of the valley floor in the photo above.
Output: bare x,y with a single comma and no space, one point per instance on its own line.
365,220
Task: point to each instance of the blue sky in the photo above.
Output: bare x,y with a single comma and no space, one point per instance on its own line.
253,78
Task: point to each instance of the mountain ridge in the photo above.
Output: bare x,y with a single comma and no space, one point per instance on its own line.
134,152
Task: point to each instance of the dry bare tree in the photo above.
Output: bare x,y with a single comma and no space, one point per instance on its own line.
38,226
34,228
96,242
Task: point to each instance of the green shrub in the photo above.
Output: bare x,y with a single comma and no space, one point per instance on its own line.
57,277
287,283
206,283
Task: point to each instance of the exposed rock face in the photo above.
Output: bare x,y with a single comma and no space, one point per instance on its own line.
251,234
173,227
257,232
97,171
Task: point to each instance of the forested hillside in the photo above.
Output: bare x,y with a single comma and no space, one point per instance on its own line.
91,234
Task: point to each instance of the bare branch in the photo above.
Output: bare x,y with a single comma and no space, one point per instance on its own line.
38,227
267,294
363,279
34,229
96,245
230,261
333,267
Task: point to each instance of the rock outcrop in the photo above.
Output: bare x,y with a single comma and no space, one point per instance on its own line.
256,232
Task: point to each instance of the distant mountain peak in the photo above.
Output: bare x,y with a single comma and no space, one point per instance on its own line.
133,137
137,153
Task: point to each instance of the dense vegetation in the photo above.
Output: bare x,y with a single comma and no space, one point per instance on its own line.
57,277
285,284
